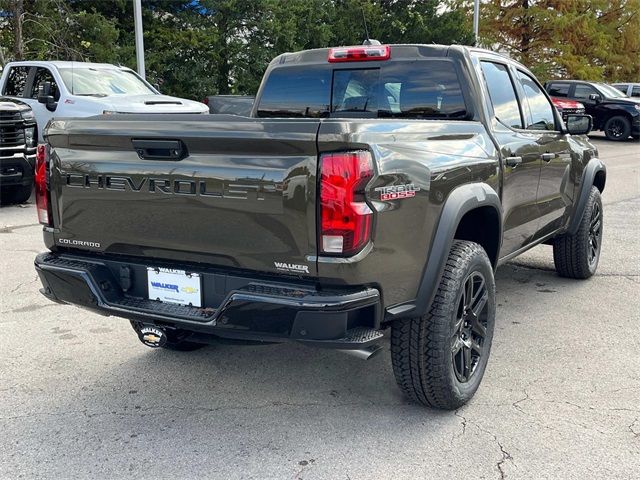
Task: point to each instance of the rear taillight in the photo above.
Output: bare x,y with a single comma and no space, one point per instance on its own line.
42,194
359,54
205,100
345,217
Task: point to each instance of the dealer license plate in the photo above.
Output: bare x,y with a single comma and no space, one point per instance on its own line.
174,286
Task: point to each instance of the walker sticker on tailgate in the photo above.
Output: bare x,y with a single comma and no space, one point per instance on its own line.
174,286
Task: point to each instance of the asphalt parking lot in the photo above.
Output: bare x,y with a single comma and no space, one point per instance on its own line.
81,397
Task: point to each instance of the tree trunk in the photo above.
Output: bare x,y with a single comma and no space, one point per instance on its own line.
525,38
18,18
224,67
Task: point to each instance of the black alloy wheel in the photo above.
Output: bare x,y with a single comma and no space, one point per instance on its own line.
467,342
595,234
616,127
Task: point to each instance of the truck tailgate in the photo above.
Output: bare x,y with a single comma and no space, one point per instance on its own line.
221,190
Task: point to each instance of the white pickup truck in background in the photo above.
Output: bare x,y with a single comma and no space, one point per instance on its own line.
79,89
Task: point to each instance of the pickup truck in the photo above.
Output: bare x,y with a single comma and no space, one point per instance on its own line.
83,89
567,107
372,188
18,141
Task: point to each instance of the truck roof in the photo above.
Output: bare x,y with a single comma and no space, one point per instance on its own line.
409,50
65,64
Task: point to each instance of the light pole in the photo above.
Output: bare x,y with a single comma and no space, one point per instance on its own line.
137,15
476,19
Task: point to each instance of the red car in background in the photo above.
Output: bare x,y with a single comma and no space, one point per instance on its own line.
566,107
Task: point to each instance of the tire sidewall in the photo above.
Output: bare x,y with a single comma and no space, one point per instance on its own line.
477,262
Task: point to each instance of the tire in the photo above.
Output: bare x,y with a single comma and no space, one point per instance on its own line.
176,339
16,194
427,352
617,128
577,256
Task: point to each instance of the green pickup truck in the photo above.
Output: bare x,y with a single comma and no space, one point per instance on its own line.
372,187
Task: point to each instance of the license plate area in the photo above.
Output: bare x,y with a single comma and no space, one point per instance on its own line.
174,286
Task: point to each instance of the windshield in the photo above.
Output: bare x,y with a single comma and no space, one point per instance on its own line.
610,92
101,82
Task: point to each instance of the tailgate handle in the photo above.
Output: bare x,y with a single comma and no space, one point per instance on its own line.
160,149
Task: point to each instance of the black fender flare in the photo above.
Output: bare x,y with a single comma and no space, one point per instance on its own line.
592,168
460,201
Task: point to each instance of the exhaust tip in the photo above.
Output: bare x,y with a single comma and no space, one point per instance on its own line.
365,353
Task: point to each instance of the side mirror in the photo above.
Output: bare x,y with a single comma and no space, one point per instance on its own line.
595,97
579,124
45,97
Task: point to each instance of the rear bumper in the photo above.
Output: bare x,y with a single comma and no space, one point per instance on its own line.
16,169
234,306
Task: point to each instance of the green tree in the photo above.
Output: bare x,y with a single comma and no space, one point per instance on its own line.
195,48
592,40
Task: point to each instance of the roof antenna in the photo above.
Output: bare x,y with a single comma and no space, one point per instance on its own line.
367,41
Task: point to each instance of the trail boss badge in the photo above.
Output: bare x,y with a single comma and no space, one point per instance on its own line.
397,192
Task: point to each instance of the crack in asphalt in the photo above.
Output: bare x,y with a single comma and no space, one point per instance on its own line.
549,269
632,430
516,404
22,284
11,228
28,250
463,422
505,454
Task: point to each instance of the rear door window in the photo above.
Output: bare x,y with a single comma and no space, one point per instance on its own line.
16,81
502,93
635,91
44,75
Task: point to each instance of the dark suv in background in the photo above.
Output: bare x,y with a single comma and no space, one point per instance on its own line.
18,138
612,111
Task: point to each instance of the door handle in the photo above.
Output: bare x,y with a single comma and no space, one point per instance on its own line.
547,157
513,161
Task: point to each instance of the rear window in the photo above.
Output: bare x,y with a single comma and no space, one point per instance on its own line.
296,92
412,89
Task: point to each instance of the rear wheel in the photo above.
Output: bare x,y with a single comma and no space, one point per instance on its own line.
15,194
617,128
439,359
577,255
